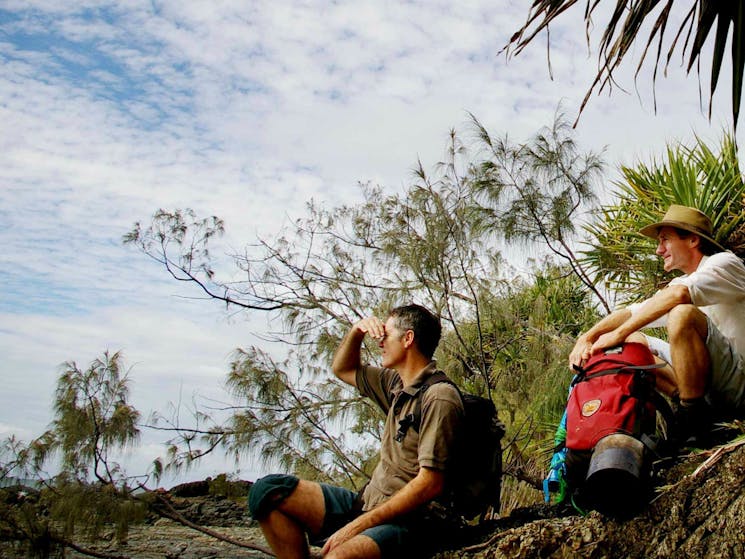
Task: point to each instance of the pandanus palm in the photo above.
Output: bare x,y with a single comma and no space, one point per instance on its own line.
693,176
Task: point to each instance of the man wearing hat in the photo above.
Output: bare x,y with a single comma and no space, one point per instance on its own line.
704,314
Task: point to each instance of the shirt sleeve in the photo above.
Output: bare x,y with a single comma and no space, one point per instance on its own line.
442,414
377,384
721,278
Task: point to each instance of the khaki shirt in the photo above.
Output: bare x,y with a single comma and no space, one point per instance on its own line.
442,410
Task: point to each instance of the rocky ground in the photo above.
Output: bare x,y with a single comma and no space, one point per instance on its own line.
164,538
698,512
168,540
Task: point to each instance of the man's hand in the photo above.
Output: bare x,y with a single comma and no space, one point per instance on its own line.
584,348
580,353
342,535
604,334
609,339
372,326
347,357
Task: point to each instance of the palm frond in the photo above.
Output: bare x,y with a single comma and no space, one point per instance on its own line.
626,22
693,176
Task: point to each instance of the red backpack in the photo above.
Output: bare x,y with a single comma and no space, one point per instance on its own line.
612,393
611,428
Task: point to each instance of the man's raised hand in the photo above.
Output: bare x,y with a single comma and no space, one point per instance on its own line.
372,326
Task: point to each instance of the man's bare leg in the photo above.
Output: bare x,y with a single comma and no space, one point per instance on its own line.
299,513
665,379
664,376
687,328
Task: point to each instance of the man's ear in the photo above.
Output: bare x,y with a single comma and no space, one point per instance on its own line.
694,241
408,338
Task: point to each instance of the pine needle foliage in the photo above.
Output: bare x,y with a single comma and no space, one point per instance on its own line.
86,509
435,243
305,441
93,421
540,191
527,331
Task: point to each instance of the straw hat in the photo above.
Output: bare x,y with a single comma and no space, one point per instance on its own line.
683,217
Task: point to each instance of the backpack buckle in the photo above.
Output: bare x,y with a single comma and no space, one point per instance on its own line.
403,426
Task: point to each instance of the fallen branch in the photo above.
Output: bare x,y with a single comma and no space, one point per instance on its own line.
716,455
84,550
173,514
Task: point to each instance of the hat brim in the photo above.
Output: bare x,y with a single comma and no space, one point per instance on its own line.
653,230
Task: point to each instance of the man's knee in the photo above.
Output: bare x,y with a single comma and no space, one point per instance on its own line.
303,501
267,492
683,318
360,546
638,337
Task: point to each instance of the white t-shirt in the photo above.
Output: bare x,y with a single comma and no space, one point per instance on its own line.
717,288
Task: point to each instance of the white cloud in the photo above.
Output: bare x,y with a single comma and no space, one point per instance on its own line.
174,356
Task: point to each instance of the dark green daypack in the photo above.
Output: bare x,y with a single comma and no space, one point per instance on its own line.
475,477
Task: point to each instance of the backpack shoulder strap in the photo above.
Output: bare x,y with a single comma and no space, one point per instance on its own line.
435,378
584,374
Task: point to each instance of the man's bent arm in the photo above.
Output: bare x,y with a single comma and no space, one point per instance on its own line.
347,358
583,346
426,486
620,324
653,308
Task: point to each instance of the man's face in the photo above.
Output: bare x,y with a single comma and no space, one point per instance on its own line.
392,344
676,252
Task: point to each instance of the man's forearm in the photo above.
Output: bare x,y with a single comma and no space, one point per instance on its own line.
348,355
656,306
425,487
652,309
609,323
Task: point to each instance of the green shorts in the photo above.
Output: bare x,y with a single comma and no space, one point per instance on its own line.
404,539
343,506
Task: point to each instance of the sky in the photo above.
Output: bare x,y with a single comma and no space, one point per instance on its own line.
110,110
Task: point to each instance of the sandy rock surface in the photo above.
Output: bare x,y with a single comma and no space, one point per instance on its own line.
168,540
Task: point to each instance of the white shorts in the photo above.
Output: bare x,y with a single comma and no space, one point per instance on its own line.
727,386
